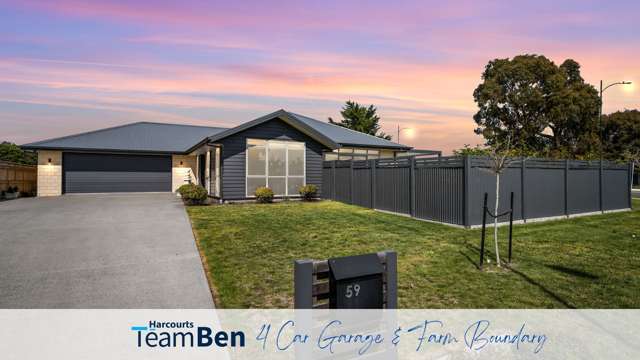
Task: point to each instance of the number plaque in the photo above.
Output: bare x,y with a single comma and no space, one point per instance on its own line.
356,282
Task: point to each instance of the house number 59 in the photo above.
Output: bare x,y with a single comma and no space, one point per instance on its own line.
352,290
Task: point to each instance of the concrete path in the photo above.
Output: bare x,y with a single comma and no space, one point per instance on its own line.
99,251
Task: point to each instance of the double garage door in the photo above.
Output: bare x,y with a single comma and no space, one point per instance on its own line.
102,173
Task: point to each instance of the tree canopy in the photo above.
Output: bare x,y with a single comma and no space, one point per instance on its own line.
542,108
13,153
621,135
360,118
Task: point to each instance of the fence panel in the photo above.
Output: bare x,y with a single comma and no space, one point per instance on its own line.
584,185
544,188
615,179
17,175
362,184
446,189
327,181
393,180
483,180
343,181
440,194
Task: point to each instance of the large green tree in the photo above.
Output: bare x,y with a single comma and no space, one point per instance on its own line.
13,153
541,108
621,135
360,118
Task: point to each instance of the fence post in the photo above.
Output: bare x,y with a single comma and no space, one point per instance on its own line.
467,190
566,187
351,182
510,227
392,278
372,188
333,180
484,227
373,183
412,187
601,187
630,183
303,284
523,171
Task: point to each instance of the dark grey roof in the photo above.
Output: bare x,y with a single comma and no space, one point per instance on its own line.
135,137
347,137
176,138
332,136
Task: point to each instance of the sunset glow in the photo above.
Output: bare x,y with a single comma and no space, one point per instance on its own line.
70,66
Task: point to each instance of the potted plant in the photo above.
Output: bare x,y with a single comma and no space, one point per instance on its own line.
11,193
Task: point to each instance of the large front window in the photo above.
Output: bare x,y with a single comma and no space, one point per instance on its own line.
278,165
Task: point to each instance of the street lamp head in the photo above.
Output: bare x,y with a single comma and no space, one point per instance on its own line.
626,83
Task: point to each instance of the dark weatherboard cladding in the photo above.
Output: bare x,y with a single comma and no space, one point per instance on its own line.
234,149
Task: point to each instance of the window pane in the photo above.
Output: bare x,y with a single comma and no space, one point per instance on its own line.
360,151
253,184
373,152
296,161
277,185
256,156
256,142
330,156
277,159
294,184
345,150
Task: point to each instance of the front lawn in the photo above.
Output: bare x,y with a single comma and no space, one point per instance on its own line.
587,262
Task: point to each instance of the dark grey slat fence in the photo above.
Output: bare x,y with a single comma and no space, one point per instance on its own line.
451,189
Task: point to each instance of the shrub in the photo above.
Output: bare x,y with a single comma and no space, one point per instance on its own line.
308,192
193,194
264,195
11,190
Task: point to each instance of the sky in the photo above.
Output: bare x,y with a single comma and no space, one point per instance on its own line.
69,66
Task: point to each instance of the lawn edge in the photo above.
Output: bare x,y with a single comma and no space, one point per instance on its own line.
205,265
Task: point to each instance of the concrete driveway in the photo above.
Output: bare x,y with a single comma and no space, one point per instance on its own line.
99,251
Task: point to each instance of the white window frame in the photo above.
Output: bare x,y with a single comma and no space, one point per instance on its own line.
266,165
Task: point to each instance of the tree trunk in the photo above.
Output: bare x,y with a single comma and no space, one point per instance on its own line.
495,220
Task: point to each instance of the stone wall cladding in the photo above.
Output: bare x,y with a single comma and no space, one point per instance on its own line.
49,174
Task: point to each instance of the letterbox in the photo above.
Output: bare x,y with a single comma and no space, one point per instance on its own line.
355,282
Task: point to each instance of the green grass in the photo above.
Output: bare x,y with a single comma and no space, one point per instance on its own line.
587,262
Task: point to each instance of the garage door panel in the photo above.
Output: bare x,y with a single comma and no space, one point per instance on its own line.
96,173
116,181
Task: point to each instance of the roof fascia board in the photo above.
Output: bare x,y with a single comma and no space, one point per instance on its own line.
376,146
110,151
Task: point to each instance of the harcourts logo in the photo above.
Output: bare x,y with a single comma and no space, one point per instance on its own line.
184,334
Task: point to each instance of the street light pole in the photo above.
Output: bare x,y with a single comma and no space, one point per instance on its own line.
400,129
600,115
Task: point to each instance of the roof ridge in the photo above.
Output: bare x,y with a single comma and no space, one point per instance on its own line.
175,124
346,128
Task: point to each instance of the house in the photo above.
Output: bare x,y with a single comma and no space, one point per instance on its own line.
281,150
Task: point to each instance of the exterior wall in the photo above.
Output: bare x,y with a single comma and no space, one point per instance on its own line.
385,154
180,174
49,174
234,148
